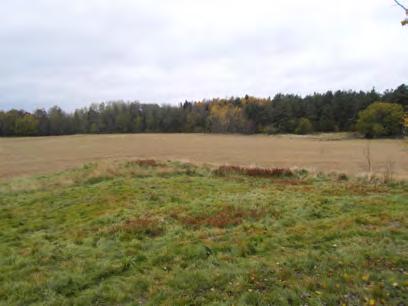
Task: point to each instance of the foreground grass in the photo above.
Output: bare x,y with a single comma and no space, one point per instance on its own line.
174,234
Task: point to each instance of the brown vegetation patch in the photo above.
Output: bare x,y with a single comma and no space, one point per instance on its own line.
365,189
145,163
254,171
228,216
142,226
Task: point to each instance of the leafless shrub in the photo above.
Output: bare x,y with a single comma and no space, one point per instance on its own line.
367,156
389,168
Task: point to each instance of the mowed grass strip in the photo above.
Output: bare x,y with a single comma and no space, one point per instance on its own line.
151,233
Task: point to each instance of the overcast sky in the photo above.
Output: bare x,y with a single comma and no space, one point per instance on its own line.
76,52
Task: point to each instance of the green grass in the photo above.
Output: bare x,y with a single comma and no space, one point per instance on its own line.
176,234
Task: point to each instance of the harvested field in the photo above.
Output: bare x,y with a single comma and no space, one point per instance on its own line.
27,156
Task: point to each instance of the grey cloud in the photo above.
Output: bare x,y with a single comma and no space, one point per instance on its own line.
78,52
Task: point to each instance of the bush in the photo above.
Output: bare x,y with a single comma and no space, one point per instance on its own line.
304,127
254,171
270,129
381,120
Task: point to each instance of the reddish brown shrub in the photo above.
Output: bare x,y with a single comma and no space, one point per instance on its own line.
254,171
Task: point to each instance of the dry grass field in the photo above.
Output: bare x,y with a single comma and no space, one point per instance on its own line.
27,156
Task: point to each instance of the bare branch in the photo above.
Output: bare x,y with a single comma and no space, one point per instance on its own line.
402,6
367,155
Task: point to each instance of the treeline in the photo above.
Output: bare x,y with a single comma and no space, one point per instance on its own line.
328,112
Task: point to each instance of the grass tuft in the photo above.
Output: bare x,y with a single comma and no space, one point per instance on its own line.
146,226
226,217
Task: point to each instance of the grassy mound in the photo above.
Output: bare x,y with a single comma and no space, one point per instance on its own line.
145,232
